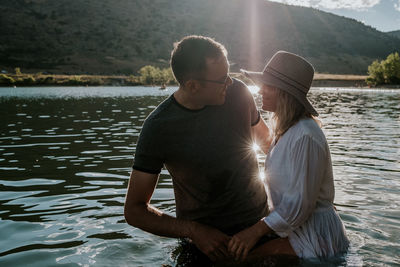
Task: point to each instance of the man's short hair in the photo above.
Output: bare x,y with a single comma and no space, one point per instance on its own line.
188,58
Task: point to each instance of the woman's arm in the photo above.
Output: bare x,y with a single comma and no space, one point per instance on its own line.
307,169
298,200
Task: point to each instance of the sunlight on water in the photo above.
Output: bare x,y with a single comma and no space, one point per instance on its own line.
66,155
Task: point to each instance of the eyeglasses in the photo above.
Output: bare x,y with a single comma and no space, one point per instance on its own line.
214,81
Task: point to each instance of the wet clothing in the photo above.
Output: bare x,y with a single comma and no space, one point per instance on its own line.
208,153
299,182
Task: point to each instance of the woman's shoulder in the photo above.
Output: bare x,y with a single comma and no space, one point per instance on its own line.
309,129
307,125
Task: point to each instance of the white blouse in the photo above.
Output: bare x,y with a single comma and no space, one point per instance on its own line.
299,184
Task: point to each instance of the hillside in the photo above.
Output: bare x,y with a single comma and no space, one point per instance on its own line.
119,37
395,33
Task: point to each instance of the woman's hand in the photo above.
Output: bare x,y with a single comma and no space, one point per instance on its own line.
242,242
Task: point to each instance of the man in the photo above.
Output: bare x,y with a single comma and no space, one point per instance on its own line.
203,134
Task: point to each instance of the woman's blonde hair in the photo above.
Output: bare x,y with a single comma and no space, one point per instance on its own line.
288,112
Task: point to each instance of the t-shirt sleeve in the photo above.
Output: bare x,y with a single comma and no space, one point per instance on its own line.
148,155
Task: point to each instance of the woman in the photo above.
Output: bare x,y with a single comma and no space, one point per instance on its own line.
298,168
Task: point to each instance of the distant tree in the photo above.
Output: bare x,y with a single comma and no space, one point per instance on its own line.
385,72
391,69
17,71
375,72
168,76
150,75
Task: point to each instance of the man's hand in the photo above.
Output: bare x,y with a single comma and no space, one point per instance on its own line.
210,241
139,213
242,242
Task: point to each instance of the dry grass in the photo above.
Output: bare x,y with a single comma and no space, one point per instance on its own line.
59,79
319,76
339,77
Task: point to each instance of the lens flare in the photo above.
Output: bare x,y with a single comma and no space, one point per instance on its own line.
255,147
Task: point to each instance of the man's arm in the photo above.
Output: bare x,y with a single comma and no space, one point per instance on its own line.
139,213
261,135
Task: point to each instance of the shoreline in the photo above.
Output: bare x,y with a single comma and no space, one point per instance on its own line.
28,80
40,79
339,80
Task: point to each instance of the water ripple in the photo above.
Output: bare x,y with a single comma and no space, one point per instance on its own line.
66,155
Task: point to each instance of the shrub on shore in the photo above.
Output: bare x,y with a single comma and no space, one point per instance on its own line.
385,72
150,75
18,71
6,80
28,80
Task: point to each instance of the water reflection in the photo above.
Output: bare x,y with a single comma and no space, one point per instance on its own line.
65,162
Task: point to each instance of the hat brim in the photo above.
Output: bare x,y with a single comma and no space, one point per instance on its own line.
260,78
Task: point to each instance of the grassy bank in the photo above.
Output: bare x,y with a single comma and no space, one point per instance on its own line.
326,80
66,80
147,75
38,79
339,80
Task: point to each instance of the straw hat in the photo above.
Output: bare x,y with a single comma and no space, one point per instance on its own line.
288,72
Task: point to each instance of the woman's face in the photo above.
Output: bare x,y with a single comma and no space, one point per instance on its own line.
269,96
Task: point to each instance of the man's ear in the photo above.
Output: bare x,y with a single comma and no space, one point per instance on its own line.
192,86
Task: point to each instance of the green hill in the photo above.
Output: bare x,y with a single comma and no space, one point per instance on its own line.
119,37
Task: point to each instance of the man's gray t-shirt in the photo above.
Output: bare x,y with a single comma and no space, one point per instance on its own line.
209,155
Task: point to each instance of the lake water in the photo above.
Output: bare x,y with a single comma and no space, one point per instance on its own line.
65,157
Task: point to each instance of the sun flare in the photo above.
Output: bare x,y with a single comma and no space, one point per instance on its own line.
255,147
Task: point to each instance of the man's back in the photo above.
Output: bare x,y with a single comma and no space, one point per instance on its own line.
209,155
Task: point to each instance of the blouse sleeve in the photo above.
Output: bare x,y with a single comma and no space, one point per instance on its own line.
308,164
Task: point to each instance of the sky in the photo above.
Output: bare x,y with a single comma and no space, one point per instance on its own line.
383,15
